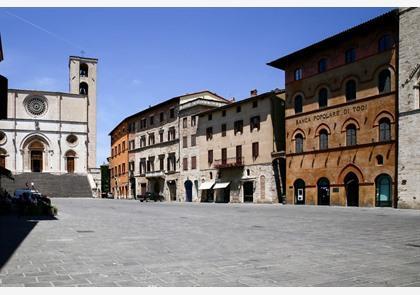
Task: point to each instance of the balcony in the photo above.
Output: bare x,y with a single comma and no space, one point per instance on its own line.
152,174
229,162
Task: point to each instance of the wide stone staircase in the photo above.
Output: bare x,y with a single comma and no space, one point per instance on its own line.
63,186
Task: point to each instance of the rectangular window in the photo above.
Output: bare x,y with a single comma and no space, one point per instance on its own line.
161,116
193,120
350,55
238,126
193,140
143,141
151,138
238,154
172,113
255,150
238,109
210,117
255,104
255,123
185,164
161,162
184,142
143,123
161,136
298,74
131,166
210,156
209,133
123,146
223,113
223,130
184,123
193,162
152,120
224,156
171,133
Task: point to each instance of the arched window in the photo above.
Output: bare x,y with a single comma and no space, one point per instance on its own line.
385,43
322,65
384,129
298,143
298,74
351,138
323,139
323,98
84,70
350,90
84,88
350,55
298,104
384,81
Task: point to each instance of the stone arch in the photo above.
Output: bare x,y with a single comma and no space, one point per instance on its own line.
392,71
348,78
348,122
321,127
298,131
381,115
34,148
350,168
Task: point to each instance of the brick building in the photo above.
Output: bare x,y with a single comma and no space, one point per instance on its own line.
341,99
118,161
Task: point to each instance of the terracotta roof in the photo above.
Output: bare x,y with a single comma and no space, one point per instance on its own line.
383,19
168,101
242,101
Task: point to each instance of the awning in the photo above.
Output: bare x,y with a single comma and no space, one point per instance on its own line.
206,185
221,185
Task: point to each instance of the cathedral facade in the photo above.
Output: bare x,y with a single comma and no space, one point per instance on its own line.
52,132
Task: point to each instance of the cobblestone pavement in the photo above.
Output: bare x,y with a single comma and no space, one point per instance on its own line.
127,243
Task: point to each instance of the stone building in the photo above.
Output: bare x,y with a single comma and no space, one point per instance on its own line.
341,96
240,149
118,161
154,149
49,131
189,154
409,109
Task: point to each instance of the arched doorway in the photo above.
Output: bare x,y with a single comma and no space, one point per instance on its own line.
299,186
323,191
383,190
36,150
351,183
70,156
188,190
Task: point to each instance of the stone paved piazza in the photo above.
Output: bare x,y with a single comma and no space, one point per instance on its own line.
100,242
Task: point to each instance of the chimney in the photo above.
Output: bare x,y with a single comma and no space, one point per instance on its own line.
254,92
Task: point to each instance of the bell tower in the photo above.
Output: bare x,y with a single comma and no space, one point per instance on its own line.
82,72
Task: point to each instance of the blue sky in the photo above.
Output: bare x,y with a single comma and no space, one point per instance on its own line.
147,55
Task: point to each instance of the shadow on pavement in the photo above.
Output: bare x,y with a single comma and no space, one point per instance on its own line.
13,230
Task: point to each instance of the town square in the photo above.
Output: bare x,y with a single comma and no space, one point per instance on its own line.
205,150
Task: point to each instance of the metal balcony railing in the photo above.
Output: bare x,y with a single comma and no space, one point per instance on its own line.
229,162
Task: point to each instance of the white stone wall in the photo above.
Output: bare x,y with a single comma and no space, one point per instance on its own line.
409,108
65,114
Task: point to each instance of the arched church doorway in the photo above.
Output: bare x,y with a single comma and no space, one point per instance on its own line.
351,183
188,190
70,159
36,150
323,191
